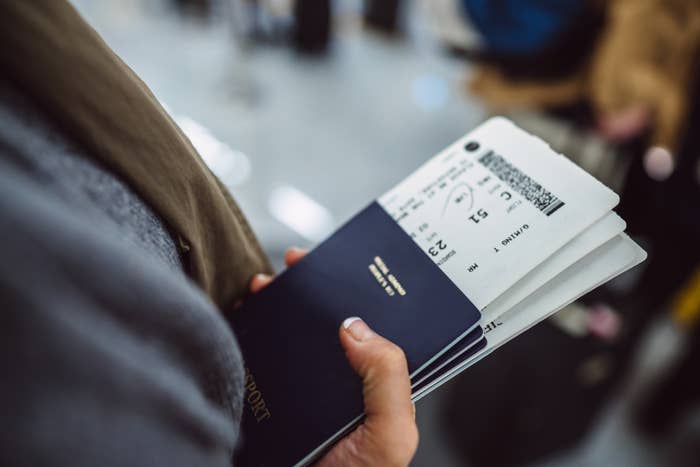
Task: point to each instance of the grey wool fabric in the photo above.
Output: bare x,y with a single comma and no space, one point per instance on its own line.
109,354
68,173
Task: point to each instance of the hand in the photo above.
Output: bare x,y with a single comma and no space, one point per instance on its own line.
627,124
388,436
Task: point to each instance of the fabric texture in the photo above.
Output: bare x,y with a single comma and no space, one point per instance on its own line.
522,26
75,178
120,251
109,354
61,63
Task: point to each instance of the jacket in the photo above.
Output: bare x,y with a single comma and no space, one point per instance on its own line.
61,63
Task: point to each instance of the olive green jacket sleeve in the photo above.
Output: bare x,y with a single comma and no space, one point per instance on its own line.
60,62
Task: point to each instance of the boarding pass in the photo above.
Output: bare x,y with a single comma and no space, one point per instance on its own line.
494,205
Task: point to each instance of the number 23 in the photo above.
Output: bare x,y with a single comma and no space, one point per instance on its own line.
435,250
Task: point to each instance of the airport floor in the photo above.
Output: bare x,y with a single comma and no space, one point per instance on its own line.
305,142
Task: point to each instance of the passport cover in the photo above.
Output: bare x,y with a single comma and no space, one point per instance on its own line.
301,393
457,358
456,354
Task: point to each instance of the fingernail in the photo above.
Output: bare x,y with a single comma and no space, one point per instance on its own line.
357,328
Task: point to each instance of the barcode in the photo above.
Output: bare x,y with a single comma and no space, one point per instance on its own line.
521,183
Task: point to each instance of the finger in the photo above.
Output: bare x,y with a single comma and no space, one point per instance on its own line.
259,282
293,255
382,366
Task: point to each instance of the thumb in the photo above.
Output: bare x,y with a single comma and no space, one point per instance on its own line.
388,436
382,366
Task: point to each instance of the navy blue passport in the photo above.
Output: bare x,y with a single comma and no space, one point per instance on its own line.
301,394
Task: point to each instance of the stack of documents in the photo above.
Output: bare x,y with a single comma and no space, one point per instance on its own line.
485,240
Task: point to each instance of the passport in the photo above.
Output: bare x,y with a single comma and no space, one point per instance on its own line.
486,239
289,333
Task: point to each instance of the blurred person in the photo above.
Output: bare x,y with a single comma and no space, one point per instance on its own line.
635,71
533,39
121,255
671,210
613,85
625,109
312,25
383,15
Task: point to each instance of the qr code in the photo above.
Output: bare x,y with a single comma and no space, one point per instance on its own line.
532,191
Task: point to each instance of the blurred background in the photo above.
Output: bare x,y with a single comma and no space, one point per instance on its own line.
309,109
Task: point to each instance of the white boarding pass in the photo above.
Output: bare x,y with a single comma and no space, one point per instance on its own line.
494,205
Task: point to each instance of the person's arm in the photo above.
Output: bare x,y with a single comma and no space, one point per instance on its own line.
107,357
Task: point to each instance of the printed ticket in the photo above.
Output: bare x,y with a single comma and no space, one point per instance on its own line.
605,262
494,205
